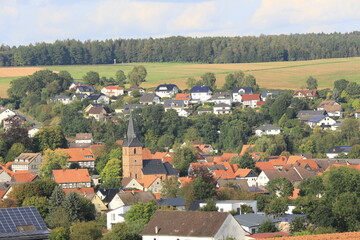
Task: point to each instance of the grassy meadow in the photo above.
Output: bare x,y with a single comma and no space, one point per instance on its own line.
276,75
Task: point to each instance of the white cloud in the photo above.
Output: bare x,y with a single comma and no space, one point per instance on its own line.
309,14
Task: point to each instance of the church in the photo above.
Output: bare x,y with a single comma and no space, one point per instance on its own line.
133,164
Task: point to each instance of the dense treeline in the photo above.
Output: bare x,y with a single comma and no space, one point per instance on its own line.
186,49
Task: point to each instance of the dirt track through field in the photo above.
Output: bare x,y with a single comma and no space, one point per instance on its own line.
18,71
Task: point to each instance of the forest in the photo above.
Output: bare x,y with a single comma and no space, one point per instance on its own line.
263,48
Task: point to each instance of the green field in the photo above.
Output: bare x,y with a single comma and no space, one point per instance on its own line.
277,75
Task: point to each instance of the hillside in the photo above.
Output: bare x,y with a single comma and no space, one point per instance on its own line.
279,75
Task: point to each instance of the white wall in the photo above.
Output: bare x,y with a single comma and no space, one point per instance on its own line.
262,179
230,228
115,216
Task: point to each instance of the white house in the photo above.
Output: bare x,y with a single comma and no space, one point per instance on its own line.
324,122
176,105
4,176
335,151
184,113
76,84
27,162
357,114
192,225
269,94
233,205
250,100
238,92
267,129
116,216
166,90
99,98
332,108
5,113
247,174
84,89
63,99
201,93
33,131
221,97
222,108
113,91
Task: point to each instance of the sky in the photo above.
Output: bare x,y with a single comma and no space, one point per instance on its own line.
29,21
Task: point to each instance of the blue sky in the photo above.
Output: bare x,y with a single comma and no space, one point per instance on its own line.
30,21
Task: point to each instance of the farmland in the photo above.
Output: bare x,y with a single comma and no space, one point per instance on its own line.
276,75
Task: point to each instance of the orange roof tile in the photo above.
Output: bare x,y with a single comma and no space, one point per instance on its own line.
185,180
78,154
281,161
22,176
113,87
332,236
183,96
264,165
83,191
267,235
250,97
296,194
356,166
242,172
157,195
71,176
224,174
148,180
294,159
2,193
310,162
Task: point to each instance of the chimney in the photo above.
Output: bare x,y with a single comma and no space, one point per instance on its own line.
156,230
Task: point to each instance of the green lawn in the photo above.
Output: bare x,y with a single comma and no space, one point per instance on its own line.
280,75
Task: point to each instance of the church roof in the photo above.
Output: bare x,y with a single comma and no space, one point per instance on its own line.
156,166
131,139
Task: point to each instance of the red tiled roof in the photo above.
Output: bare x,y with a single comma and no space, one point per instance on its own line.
2,193
294,159
71,176
310,162
228,174
268,235
250,97
79,154
185,180
246,148
264,166
307,93
182,96
146,153
260,103
296,194
22,176
83,191
242,172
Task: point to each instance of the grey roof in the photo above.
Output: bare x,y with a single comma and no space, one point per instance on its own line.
95,96
132,106
134,198
79,96
175,202
174,103
199,89
267,127
340,149
97,110
165,87
131,139
85,88
185,223
61,97
109,194
306,115
221,96
156,166
22,223
148,97
247,90
252,219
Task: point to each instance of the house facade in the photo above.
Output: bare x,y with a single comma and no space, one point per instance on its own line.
332,108
72,178
201,93
149,99
222,108
27,162
233,205
267,129
250,100
238,92
83,156
310,94
221,97
5,113
113,91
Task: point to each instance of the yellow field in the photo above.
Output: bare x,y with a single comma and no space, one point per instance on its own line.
276,75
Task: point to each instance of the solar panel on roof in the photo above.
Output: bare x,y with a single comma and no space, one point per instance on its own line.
21,221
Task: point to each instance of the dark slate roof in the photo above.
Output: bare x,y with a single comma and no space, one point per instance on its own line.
22,223
221,96
156,166
85,88
174,103
264,94
132,106
165,87
267,127
316,118
147,97
175,202
248,90
199,89
131,139
95,96
185,223
195,205
339,149
306,115
109,194
252,219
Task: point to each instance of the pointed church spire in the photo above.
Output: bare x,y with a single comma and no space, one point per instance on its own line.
131,139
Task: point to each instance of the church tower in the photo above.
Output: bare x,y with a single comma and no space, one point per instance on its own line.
132,153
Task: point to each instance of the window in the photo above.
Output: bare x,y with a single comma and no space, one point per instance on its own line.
112,217
134,150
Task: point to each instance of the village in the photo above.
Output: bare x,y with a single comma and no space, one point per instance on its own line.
254,194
